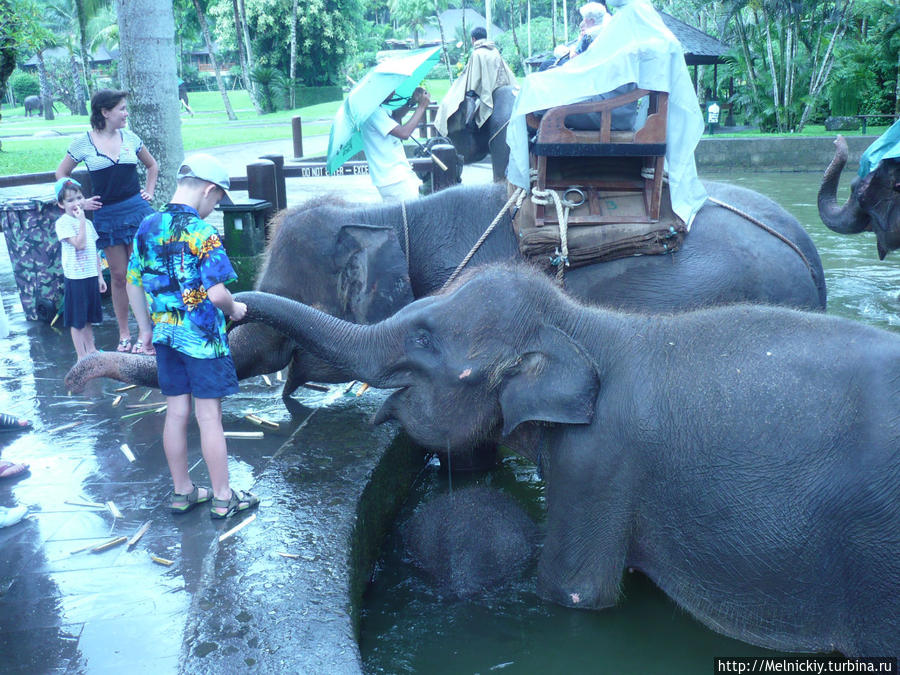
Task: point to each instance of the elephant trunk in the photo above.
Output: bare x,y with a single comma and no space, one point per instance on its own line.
128,368
846,219
353,348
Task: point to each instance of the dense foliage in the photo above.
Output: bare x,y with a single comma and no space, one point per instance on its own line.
791,62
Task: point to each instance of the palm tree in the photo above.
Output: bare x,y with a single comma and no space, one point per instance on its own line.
211,48
413,14
85,11
245,53
148,72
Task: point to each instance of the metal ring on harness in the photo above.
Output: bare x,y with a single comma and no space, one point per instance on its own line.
571,203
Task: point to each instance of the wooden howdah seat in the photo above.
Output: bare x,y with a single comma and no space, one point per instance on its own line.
611,169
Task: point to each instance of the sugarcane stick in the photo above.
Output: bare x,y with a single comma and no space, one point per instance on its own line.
240,526
109,544
428,152
136,537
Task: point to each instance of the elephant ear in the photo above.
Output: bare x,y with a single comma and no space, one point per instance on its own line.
879,194
372,275
555,381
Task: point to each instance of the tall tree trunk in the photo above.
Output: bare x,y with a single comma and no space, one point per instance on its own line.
788,55
211,48
745,50
243,57
773,72
78,91
46,95
553,24
514,18
529,32
821,76
293,69
85,58
246,30
147,71
466,36
437,14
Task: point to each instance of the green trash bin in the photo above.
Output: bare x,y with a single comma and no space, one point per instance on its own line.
244,226
29,228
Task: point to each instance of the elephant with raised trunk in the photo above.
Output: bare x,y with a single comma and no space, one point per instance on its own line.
351,262
873,205
742,457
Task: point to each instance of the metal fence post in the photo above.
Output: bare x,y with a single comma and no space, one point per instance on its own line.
261,185
278,161
297,133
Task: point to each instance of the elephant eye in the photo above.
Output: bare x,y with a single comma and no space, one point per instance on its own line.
423,339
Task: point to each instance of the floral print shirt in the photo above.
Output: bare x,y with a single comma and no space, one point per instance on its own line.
176,257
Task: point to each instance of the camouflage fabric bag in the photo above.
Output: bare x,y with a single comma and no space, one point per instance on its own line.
28,225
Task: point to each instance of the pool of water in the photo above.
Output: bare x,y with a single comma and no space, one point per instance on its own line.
408,627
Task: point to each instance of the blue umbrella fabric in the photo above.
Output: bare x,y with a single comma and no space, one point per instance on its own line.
886,146
401,74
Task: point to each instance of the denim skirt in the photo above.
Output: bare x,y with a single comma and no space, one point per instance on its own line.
117,223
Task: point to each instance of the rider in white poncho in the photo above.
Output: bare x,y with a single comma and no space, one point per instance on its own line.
635,46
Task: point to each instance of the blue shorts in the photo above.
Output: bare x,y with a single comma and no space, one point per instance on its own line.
181,374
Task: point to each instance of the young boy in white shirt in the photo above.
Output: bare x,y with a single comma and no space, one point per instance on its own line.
81,267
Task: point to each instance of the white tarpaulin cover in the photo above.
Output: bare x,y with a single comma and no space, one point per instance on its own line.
634,46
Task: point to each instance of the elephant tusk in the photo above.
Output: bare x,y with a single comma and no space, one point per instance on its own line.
362,389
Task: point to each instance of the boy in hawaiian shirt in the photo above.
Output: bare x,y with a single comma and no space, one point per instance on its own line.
179,266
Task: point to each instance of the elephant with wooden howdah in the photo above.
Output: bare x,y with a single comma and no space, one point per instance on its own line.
873,205
742,457
490,138
351,262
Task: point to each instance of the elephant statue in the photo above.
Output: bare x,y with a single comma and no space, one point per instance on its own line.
471,540
33,105
490,137
742,457
873,205
351,262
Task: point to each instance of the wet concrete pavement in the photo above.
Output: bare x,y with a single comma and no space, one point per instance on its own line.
277,596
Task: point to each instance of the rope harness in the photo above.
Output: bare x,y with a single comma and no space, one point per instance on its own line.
768,229
546,197
405,232
518,197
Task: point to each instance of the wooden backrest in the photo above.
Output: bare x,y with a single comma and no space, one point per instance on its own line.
553,135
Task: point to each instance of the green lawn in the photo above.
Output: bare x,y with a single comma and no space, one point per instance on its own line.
32,144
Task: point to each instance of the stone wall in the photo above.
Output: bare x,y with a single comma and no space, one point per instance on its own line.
775,154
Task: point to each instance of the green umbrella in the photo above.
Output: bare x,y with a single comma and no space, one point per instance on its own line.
401,75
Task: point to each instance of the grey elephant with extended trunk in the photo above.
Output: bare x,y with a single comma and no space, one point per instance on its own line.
351,262
742,457
873,205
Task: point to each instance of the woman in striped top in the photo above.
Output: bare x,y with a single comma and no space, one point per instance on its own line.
111,153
